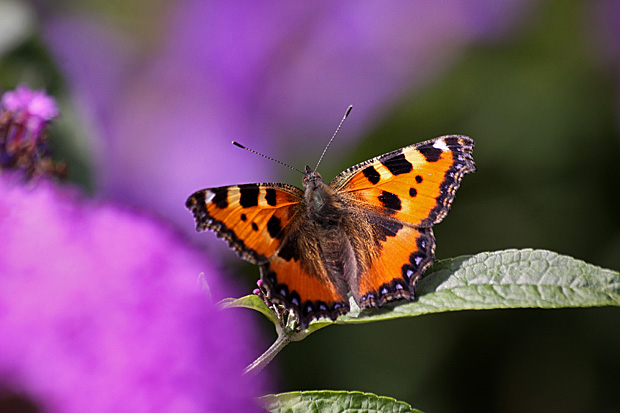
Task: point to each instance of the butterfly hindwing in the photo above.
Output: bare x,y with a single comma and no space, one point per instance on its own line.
311,296
404,253
415,184
252,218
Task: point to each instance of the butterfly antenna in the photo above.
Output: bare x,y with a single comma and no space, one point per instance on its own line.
268,157
333,136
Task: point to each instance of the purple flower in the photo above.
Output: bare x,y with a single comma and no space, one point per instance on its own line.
23,115
101,310
275,76
35,106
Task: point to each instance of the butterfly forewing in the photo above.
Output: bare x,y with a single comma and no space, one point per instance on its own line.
415,184
252,218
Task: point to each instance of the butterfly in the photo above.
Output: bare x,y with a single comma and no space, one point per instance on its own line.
368,234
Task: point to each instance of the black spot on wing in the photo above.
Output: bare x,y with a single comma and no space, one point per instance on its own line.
196,199
384,228
289,249
390,201
220,199
274,227
397,164
270,196
413,192
371,174
456,141
418,179
254,226
244,217
430,153
249,195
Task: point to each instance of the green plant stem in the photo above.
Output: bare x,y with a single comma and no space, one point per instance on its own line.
260,363
285,336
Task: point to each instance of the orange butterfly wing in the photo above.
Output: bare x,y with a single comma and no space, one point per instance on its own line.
260,222
400,196
309,295
404,254
252,218
405,192
415,184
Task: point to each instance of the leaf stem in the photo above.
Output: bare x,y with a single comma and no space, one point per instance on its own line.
260,363
285,336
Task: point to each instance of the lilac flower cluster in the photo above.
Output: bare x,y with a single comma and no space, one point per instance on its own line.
23,115
101,309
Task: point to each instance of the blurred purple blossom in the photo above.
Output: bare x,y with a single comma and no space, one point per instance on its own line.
260,73
101,310
34,105
23,115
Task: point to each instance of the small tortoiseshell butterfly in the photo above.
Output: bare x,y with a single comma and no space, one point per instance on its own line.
368,233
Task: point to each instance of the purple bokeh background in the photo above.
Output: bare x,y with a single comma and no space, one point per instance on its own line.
101,310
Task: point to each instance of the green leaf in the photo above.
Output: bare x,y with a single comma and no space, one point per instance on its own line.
504,279
253,302
332,401
490,280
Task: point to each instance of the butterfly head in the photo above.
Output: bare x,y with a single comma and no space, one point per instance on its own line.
316,192
312,179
